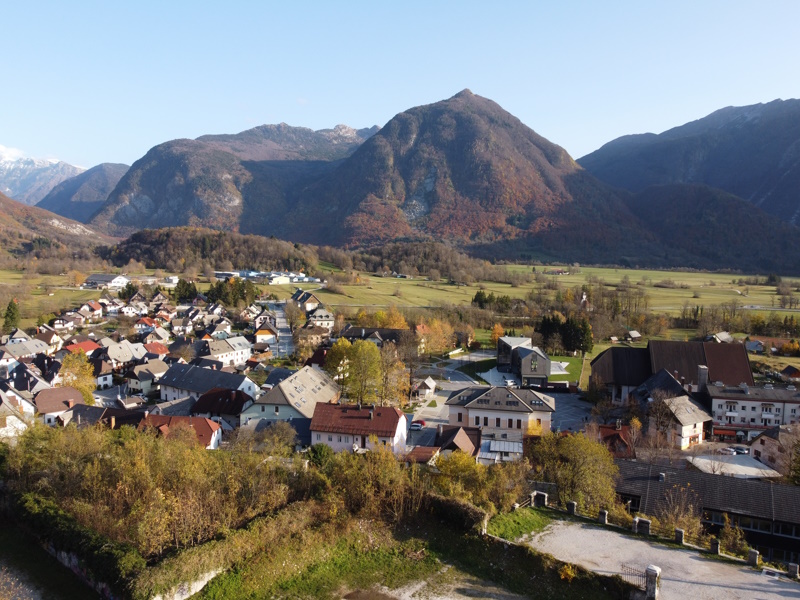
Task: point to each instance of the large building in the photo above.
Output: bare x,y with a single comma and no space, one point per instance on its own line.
350,427
744,411
505,412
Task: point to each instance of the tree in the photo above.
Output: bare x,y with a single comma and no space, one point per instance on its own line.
395,319
680,509
408,350
278,439
393,383
440,336
634,433
731,538
294,314
336,363
11,320
582,469
497,333
363,370
128,291
77,371
75,278
185,291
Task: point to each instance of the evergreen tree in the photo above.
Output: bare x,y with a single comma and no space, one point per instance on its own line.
11,321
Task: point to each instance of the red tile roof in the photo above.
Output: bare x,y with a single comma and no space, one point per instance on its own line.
347,418
157,348
204,429
88,347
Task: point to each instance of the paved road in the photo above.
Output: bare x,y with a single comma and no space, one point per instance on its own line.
685,574
285,345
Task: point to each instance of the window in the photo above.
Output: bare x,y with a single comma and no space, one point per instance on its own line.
486,421
719,405
340,439
538,421
519,423
497,422
761,442
777,410
477,421
277,409
317,437
510,423
330,438
794,411
347,439
263,408
752,408
743,420
459,417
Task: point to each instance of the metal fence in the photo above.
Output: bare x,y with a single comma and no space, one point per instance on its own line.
634,575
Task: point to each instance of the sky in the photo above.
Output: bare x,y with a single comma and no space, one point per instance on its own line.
92,82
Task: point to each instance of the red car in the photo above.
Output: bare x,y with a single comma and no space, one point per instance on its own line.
417,425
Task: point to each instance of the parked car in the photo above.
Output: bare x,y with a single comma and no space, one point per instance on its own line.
741,450
416,426
510,383
727,451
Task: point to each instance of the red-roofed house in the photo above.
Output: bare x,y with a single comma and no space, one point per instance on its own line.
87,346
347,426
157,348
207,431
145,325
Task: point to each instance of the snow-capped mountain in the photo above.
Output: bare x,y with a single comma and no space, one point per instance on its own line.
28,180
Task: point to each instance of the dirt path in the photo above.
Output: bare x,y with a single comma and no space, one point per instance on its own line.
685,574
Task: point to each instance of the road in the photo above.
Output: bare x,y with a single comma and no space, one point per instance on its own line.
685,574
285,346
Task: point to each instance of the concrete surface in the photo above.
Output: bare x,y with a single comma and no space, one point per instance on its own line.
685,574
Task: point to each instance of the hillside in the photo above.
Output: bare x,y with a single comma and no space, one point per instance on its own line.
81,196
220,181
31,230
752,152
28,180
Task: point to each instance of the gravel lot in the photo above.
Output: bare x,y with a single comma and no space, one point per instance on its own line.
685,574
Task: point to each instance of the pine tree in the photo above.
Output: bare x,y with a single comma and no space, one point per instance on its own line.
11,321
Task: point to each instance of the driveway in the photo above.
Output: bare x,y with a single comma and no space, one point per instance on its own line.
685,574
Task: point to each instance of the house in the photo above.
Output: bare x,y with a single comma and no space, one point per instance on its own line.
633,336
776,447
12,421
683,423
494,451
305,300
26,349
188,380
156,350
620,370
423,455
222,406
143,379
52,339
721,337
349,427
106,281
505,347
502,411
531,365
320,317
124,355
181,326
88,347
233,351
791,374
62,324
103,373
311,335
423,389
742,412
145,325
769,514
15,337
450,438
51,403
293,397
617,439
158,335
93,309
377,335
208,433
266,334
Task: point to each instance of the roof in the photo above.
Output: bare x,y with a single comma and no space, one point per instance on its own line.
149,370
277,375
88,347
515,342
381,421
156,348
736,465
785,435
58,399
303,391
221,401
466,439
750,394
622,366
760,499
617,440
199,380
501,398
103,277
422,454
687,411
204,429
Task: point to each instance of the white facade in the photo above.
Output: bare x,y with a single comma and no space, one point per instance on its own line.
344,442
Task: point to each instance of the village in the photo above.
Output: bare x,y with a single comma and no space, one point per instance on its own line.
673,413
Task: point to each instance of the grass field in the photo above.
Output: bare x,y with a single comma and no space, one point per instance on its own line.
511,526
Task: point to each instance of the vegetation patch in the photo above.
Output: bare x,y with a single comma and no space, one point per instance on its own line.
512,526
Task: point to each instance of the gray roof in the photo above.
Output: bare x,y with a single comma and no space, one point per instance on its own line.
515,342
199,380
500,398
688,411
302,391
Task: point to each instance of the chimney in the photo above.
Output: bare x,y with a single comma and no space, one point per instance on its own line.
147,412
702,377
70,403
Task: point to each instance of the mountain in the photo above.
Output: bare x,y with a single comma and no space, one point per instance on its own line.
28,180
752,152
213,181
81,196
29,229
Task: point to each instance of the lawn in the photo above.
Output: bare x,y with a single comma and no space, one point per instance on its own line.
573,369
512,526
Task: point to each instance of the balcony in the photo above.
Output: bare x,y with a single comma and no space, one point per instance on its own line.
769,416
732,413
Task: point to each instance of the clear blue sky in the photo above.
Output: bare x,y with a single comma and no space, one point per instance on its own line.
92,82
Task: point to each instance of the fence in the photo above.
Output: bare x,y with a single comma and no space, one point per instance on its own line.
633,575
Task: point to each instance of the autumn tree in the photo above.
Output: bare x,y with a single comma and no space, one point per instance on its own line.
337,361
294,314
77,371
440,336
408,351
363,370
75,278
11,318
582,469
497,333
393,383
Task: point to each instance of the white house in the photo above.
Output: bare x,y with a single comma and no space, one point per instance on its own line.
507,412
347,427
12,421
106,281
209,433
53,402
